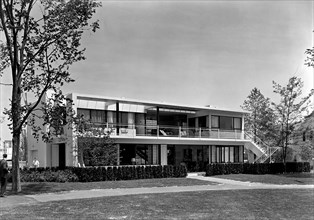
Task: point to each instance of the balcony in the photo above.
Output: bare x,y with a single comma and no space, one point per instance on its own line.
159,131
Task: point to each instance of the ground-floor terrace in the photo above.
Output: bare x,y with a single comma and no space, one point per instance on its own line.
194,157
194,154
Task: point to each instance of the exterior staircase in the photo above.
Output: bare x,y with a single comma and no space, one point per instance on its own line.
262,150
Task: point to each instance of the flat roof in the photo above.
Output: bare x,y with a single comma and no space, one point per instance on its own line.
152,103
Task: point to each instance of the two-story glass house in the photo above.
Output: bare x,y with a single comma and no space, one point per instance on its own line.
149,133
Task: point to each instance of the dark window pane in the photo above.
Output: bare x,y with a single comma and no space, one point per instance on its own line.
215,121
236,154
225,123
84,113
237,123
202,122
98,116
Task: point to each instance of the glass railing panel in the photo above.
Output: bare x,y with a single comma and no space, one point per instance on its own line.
151,130
169,131
132,130
214,133
140,130
205,133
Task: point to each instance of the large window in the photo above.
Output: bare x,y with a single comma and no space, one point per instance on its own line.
202,121
227,154
98,116
226,123
237,123
123,118
215,121
85,113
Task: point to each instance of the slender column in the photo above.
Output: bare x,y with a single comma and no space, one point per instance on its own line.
118,118
118,154
157,115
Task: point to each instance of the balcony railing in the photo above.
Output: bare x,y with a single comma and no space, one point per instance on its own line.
159,131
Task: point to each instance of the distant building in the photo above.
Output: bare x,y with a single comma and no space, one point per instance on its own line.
303,135
7,148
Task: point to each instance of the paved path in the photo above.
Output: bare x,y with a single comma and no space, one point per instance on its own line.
83,194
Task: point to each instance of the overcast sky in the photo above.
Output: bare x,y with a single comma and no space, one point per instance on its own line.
193,52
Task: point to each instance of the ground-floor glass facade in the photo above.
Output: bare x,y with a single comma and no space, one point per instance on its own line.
194,157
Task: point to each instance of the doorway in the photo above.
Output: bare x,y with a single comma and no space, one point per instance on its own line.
62,156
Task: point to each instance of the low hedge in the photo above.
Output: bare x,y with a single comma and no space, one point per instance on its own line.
90,174
257,168
45,175
93,174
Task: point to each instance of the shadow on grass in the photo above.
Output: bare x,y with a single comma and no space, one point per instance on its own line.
299,175
288,178
32,188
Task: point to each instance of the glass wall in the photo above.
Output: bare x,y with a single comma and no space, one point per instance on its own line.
226,154
226,123
140,154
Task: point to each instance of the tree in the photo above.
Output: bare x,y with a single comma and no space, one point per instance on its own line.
310,57
94,145
100,151
42,40
261,120
289,110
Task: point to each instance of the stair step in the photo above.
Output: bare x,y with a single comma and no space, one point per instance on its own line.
197,174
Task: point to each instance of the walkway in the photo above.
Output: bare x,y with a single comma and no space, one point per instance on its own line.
83,194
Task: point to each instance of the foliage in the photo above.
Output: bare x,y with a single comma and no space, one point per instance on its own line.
48,175
257,168
42,40
261,120
115,173
277,157
101,151
310,57
289,110
307,151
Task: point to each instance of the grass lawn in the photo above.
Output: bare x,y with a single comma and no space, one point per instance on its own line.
50,187
290,178
233,204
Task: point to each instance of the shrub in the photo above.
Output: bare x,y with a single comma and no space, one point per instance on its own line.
48,175
258,168
90,174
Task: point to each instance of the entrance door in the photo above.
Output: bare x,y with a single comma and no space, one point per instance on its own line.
61,155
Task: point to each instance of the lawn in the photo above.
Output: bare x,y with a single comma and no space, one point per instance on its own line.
233,204
289,178
51,187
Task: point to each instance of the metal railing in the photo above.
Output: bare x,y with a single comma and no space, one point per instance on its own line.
161,131
267,150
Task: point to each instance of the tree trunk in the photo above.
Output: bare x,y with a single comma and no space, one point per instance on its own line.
16,184
16,121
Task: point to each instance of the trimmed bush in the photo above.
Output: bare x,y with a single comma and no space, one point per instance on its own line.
257,168
91,174
47,175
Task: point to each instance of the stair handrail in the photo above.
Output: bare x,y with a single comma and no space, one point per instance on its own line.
267,153
249,134
262,160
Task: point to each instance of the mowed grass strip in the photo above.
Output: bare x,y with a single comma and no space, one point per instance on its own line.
232,204
52,187
289,178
